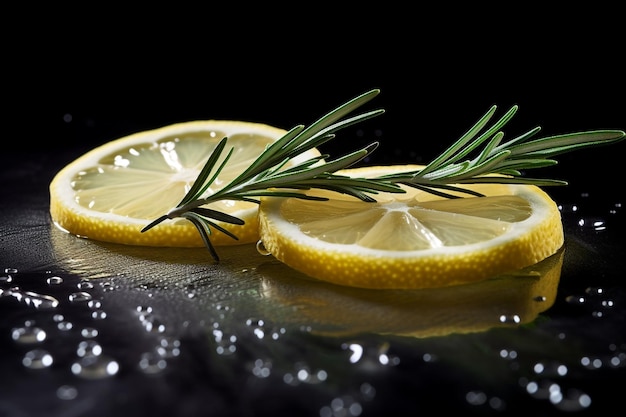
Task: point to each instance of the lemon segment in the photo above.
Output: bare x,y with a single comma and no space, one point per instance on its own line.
113,191
412,240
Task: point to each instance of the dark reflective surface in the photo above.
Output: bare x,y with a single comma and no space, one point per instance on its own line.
90,328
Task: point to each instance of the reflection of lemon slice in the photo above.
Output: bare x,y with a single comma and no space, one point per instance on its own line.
412,240
113,191
507,300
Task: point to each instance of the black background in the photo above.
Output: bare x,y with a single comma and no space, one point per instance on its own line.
87,77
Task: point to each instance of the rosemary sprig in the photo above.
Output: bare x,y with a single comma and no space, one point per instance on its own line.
269,175
497,161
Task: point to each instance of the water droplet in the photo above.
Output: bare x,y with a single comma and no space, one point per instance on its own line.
78,297
260,247
95,367
154,325
54,280
10,270
568,208
37,359
152,363
594,290
510,319
67,392
99,315
591,363
476,397
89,332
592,223
84,285
575,299
32,299
28,334
88,348
65,326
6,279
168,347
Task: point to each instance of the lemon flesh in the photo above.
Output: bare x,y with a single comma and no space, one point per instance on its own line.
412,240
113,191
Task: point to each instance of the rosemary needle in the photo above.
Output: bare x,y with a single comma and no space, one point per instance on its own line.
481,155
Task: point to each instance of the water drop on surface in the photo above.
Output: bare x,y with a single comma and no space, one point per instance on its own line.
78,297
28,334
54,280
510,319
88,348
95,367
152,363
37,359
260,247
89,332
84,285
32,299
67,392
574,299
65,325
590,223
99,315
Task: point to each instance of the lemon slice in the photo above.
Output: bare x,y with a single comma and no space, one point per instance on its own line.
113,191
413,240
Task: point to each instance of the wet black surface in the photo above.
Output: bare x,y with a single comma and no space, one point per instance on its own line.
169,332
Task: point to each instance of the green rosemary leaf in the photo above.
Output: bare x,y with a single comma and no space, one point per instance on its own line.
555,145
488,151
217,215
205,232
198,186
154,223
